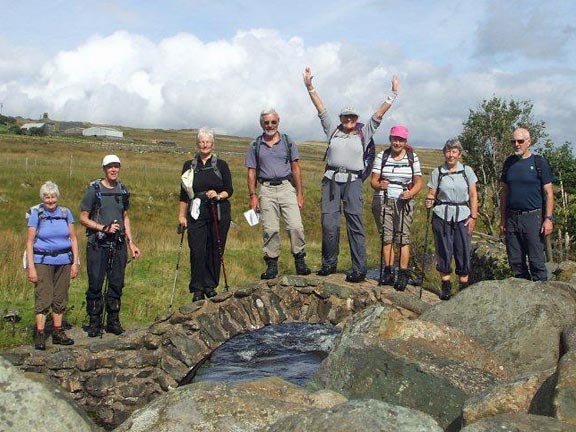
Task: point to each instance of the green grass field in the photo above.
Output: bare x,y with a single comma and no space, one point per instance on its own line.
152,175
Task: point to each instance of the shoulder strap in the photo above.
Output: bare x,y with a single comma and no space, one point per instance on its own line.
288,145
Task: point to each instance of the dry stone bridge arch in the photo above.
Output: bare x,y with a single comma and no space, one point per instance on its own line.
113,376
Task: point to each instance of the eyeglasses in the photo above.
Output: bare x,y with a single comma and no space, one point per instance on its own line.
271,122
514,141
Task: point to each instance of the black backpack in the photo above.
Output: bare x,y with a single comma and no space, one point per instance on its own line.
256,147
386,156
213,165
441,175
124,194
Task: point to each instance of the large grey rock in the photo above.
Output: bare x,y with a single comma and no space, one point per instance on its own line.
217,407
489,261
519,320
565,395
519,423
27,405
434,369
529,393
358,416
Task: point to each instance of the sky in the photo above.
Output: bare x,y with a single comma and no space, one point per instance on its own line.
177,64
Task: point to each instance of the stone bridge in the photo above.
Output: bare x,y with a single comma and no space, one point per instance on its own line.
112,376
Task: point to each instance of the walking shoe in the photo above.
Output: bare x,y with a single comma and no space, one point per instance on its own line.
402,280
59,337
300,264
446,290
211,292
387,276
197,296
462,286
40,341
271,268
326,270
356,277
114,327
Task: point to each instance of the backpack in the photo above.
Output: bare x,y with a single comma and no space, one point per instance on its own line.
441,175
386,156
511,160
256,147
42,216
99,194
369,153
213,165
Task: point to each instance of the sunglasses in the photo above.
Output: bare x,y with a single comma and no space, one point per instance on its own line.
271,122
514,141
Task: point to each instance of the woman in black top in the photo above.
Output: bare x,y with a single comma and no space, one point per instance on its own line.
204,193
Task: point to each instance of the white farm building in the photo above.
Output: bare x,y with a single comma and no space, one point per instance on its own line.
98,131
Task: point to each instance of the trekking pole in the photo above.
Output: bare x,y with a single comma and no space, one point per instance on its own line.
425,250
181,229
111,252
383,215
402,208
219,242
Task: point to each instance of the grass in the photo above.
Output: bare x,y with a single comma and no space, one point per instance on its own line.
152,175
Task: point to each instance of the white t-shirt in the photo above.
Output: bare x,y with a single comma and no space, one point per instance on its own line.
397,172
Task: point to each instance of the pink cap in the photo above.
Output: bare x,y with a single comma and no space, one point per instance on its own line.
399,131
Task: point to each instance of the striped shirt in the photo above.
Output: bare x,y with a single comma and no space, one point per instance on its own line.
398,172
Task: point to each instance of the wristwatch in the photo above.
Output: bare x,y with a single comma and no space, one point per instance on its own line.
550,218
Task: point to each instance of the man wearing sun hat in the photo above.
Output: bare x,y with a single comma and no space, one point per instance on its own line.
104,213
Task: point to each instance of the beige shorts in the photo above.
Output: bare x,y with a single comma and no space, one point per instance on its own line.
398,215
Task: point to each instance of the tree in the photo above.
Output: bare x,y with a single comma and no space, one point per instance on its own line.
485,140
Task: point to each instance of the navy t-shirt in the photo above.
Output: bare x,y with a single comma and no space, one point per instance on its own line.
524,186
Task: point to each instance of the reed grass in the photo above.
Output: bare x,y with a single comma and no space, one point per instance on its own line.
152,176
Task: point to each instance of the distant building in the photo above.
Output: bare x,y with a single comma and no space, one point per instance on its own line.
98,131
45,128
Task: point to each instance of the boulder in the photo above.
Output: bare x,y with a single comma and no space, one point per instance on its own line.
357,416
489,261
529,393
434,369
28,405
518,422
219,407
519,320
565,394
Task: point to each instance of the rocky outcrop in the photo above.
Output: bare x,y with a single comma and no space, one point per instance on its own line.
489,261
520,321
357,416
520,423
27,405
565,394
217,407
416,364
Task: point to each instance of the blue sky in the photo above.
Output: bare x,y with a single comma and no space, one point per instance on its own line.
186,64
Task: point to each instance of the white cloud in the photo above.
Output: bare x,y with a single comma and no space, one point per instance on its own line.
184,82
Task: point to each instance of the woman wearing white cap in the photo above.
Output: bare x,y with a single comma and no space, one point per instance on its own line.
396,179
342,181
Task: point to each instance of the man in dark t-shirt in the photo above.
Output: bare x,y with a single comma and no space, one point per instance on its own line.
526,208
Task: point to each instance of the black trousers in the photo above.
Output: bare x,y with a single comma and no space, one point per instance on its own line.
204,254
98,256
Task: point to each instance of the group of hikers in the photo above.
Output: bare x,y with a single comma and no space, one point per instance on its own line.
276,193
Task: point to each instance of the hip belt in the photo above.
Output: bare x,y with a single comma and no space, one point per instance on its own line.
53,253
344,171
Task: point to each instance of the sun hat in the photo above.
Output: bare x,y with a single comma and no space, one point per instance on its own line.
348,110
399,131
110,159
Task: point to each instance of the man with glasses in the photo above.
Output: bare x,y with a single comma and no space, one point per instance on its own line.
272,161
526,208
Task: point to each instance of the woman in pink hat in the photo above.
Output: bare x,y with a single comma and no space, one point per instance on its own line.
396,179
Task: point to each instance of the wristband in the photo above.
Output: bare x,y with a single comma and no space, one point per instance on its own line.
472,217
252,194
390,99
550,218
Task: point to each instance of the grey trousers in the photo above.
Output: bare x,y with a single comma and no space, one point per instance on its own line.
525,246
350,196
279,202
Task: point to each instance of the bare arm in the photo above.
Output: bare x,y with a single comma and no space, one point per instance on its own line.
312,92
182,220
417,185
32,276
128,231
473,195
503,196
297,176
547,224
429,200
389,100
254,204
75,256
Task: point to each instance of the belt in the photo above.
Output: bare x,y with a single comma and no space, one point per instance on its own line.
523,212
274,182
53,253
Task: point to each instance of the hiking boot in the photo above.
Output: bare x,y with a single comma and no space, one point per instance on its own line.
197,296
59,337
94,309
113,319
326,270
387,276
356,277
40,341
113,326
402,280
271,268
462,286
211,292
300,264
446,290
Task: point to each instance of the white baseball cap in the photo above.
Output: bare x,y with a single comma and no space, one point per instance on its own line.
110,159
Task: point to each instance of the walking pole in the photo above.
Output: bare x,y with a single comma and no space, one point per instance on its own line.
219,242
111,253
181,229
425,250
383,215
402,208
